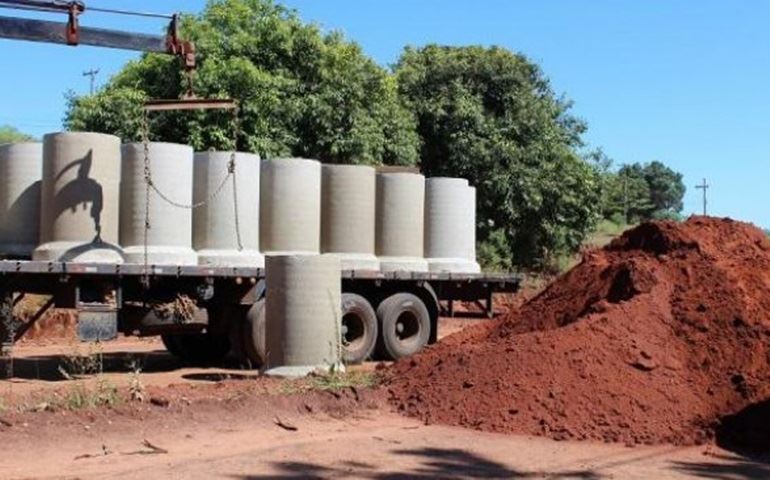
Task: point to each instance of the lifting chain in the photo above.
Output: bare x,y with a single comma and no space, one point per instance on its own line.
150,186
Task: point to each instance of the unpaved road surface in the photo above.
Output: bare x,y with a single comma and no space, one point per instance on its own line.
373,444
227,423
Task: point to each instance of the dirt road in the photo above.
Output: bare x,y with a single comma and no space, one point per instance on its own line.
373,444
227,423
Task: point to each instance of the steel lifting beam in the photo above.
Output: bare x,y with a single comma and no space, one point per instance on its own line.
58,32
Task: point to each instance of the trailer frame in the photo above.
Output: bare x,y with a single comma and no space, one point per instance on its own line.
111,298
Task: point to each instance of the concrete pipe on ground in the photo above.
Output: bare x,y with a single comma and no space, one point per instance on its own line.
290,206
79,198
169,238
303,314
399,223
214,228
348,194
21,173
450,225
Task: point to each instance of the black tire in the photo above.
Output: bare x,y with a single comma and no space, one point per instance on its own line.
254,347
169,341
198,348
404,325
359,328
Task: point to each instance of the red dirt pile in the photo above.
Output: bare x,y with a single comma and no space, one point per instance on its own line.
652,339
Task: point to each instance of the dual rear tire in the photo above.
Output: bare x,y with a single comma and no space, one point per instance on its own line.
400,327
197,348
405,326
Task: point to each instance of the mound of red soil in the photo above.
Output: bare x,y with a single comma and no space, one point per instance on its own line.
652,339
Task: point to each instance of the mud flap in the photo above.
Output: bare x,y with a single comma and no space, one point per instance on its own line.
97,322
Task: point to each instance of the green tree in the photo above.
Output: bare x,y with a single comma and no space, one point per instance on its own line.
666,188
638,192
489,115
10,134
301,92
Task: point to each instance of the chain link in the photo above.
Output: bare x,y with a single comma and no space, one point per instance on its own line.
150,186
147,185
231,168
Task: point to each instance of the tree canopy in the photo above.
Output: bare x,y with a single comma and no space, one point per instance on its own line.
10,134
486,114
489,115
301,92
643,192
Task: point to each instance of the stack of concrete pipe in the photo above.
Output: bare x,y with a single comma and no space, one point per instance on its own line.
400,222
290,212
215,233
348,215
169,239
79,198
91,201
450,225
21,173
303,314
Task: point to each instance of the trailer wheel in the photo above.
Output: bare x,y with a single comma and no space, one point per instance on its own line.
404,325
169,341
359,328
253,335
197,347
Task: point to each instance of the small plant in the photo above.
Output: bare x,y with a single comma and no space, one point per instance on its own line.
80,364
331,381
136,390
81,396
337,380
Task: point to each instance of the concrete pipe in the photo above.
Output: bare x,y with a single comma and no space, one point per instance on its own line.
348,195
79,198
21,173
450,225
399,224
214,230
290,207
303,314
169,238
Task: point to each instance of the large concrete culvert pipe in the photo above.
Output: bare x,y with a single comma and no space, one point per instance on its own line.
79,198
169,238
214,223
450,225
399,225
348,198
290,206
21,173
303,314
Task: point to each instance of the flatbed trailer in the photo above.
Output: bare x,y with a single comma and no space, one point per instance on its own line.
203,312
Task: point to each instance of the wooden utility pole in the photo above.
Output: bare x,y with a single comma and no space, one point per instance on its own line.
704,186
91,73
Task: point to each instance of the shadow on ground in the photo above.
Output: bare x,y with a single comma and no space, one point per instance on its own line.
746,434
434,463
46,367
727,467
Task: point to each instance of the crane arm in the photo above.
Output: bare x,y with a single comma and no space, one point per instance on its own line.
71,33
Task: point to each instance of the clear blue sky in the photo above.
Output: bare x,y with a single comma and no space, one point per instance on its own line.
684,82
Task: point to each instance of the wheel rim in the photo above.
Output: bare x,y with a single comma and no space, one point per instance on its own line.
407,327
353,331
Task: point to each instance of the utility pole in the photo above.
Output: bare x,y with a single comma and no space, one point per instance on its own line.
91,73
625,198
703,186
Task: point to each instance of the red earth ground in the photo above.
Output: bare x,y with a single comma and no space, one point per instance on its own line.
656,338
228,423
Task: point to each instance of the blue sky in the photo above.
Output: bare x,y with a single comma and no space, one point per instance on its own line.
684,82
